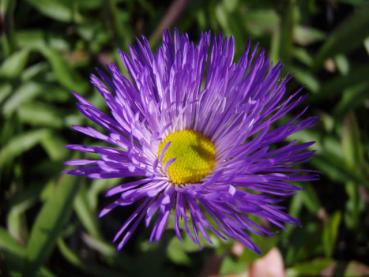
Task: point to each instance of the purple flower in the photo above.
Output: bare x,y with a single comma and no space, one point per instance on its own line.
195,133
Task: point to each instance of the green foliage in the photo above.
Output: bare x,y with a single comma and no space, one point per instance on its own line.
348,36
49,221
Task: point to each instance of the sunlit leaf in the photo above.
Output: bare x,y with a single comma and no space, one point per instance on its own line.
13,65
343,64
21,144
351,143
39,114
85,213
5,91
330,233
59,10
33,39
304,35
50,222
259,22
232,266
177,253
23,94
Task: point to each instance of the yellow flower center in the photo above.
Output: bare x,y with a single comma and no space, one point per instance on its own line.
194,156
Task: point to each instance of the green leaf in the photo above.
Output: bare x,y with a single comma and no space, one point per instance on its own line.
92,269
68,253
352,98
275,44
303,56
343,64
349,35
12,252
354,157
366,45
295,207
16,222
54,146
353,2
15,256
49,223
13,65
335,169
310,268
351,143
305,35
303,243
232,266
18,205
222,17
177,253
8,243
310,199
4,5
63,72
40,115
259,22
230,5
354,205
97,187
56,9
5,91
85,214
337,85
34,39
34,71
20,144
288,24
330,233
264,243
91,4
104,248
305,77
23,94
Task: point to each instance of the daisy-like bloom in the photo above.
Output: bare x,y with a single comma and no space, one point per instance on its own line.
194,132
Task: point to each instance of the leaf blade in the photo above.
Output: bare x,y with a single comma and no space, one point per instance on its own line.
49,223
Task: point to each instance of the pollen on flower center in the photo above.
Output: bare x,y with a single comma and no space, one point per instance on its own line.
194,156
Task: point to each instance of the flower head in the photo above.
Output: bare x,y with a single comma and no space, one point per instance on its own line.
196,131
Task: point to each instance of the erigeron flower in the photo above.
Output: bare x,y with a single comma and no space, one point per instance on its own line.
195,133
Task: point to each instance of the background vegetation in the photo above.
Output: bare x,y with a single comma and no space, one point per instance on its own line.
49,47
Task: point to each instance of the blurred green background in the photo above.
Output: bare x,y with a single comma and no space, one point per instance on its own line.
49,47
